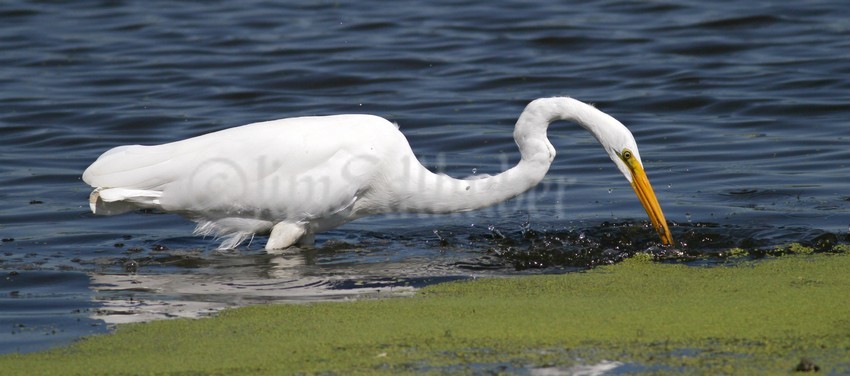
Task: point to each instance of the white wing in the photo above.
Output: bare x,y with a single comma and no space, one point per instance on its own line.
284,170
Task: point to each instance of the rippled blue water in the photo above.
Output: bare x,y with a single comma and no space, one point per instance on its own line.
741,110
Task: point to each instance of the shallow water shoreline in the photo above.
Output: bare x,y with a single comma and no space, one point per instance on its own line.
638,316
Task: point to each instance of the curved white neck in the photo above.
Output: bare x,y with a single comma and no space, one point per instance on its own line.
426,192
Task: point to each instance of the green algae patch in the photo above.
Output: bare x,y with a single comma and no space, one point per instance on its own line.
796,248
754,317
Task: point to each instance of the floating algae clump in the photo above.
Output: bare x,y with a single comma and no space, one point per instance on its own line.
797,248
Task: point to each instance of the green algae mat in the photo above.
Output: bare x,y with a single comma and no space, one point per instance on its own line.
769,316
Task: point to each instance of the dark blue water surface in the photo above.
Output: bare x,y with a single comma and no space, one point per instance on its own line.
741,110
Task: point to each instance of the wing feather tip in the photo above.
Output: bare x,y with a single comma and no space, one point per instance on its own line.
230,231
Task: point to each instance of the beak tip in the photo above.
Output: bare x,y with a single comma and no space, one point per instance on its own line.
664,233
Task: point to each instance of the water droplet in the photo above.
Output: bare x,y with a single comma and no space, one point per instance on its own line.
496,233
442,240
131,267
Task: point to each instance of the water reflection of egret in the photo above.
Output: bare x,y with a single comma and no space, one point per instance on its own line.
125,298
295,177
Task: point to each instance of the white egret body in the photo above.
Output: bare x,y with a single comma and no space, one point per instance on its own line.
295,177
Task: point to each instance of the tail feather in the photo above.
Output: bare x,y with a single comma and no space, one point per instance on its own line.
111,201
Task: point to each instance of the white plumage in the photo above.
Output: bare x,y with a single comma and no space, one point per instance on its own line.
295,177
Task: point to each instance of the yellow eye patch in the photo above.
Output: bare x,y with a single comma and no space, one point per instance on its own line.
627,157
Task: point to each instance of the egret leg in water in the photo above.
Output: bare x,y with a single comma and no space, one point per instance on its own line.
295,177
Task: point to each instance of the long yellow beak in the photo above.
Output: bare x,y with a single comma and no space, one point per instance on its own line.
644,191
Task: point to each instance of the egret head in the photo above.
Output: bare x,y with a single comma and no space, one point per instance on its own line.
622,148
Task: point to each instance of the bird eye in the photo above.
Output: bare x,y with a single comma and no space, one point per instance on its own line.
627,154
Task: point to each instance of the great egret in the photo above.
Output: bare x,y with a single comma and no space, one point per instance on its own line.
295,177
